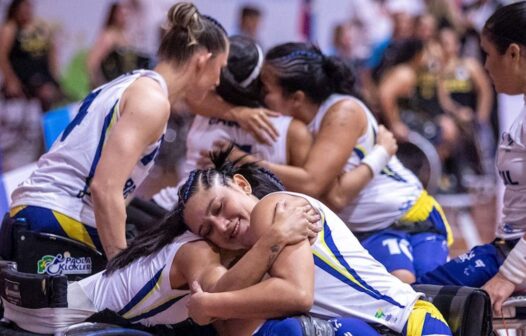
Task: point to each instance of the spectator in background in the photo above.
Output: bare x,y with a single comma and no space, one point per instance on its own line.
249,22
113,36
113,53
27,56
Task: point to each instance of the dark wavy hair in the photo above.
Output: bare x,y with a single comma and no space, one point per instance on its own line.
303,67
158,236
243,59
507,25
400,52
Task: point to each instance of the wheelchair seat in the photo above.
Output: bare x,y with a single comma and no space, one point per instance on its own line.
467,310
45,253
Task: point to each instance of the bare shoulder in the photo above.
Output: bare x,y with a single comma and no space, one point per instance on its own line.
298,131
147,89
146,96
344,113
266,207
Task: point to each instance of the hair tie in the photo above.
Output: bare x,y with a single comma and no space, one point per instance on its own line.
256,71
303,53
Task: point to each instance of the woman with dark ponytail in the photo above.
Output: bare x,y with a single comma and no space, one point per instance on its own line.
381,201
500,266
105,153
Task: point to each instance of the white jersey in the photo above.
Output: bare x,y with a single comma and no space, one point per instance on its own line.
205,131
61,181
388,195
141,292
511,164
349,282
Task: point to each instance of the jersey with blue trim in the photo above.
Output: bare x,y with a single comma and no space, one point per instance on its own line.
61,181
388,196
511,164
205,131
141,292
348,281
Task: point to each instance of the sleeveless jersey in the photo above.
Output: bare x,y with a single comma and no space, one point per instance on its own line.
141,292
388,195
205,131
61,181
348,281
511,164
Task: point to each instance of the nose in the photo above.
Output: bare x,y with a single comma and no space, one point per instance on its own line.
221,224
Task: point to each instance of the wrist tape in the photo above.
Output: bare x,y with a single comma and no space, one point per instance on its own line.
377,159
514,267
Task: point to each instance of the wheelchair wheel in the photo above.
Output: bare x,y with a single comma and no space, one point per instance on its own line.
420,156
102,329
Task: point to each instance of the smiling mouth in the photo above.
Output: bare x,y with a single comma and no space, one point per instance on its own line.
235,230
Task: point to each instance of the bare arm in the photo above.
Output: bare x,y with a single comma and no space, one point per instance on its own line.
483,89
96,55
254,120
144,113
350,183
400,82
11,80
299,143
343,124
288,291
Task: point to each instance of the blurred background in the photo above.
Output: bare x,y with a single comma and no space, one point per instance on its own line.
70,47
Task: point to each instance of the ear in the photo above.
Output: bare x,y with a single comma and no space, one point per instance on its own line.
242,182
202,60
514,50
298,99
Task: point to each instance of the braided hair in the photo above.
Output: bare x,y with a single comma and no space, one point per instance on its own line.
158,236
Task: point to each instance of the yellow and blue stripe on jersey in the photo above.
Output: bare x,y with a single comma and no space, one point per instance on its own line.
334,263
133,312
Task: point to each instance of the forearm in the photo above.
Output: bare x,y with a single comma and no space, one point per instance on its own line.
347,187
7,70
484,105
251,268
110,217
212,106
299,179
271,298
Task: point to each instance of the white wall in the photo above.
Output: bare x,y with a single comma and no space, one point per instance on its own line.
79,21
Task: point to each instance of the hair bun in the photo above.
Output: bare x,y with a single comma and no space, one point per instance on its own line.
185,15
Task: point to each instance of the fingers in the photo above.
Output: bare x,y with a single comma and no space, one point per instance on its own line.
271,113
268,126
196,287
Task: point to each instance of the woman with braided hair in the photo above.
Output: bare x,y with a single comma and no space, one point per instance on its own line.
81,184
380,200
147,284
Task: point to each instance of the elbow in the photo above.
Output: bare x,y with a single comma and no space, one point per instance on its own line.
313,189
303,301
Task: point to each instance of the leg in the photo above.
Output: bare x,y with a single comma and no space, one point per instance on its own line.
425,319
287,326
344,326
473,268
429,251
393,250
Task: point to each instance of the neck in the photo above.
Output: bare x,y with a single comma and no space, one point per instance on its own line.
177,79
307,112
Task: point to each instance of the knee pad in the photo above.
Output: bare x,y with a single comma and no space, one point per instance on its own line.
313,326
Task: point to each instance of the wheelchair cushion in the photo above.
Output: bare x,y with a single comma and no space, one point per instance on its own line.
33,290
467,310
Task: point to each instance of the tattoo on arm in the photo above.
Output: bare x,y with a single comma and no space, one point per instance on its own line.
274,251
